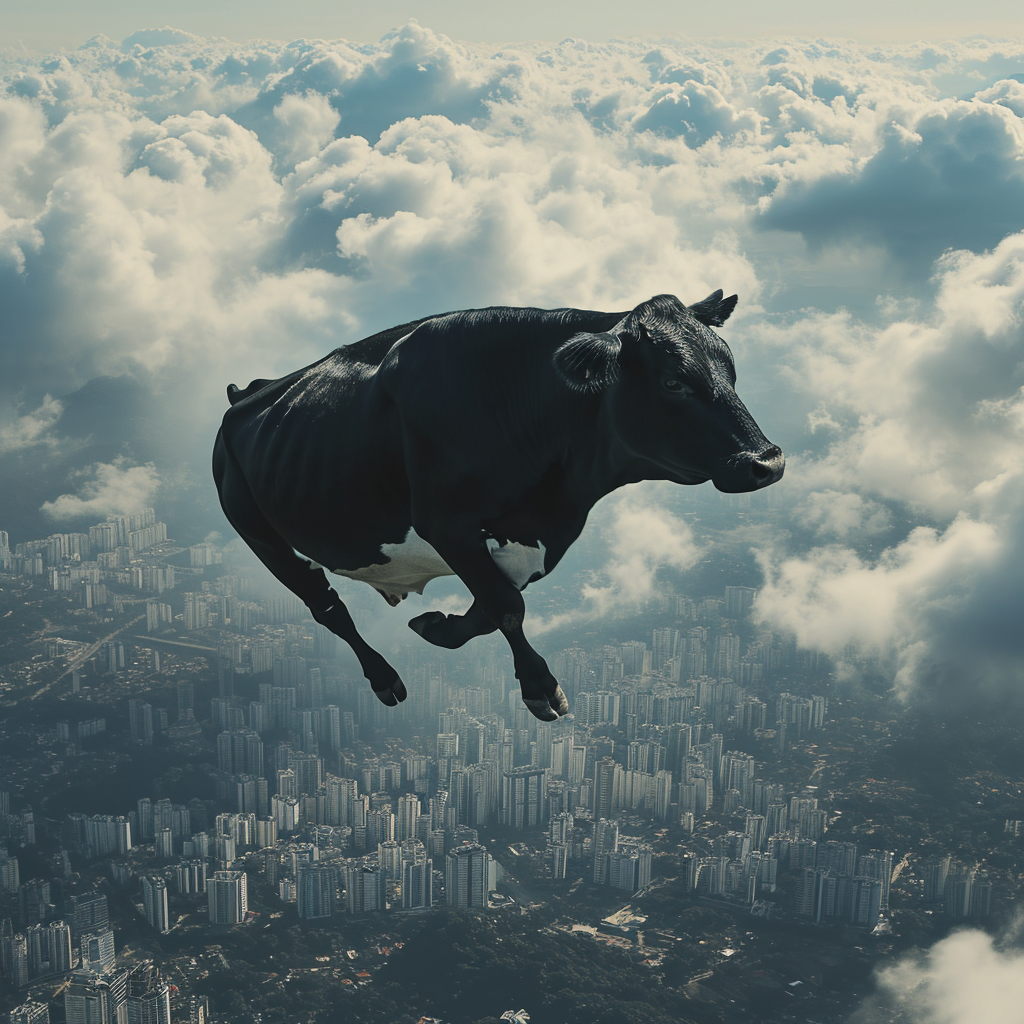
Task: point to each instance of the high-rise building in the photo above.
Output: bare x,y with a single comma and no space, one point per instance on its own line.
417,884
405,819
606,842
144,817
97,950
315,885
867,901
58,947
16,948
164,843
240,752
191,877
228,897
285,810
154,903
148,997
140,721
466,876
10,875
89,912
308,769
365,888
877,864
629,866
92,998
524,797
31,1013
739,601
380,827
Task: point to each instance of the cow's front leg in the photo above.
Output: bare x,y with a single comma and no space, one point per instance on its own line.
385,682
464,549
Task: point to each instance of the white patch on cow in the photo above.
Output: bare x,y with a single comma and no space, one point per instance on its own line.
415,562
518,561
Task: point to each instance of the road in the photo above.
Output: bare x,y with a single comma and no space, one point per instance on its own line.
175,643
78,661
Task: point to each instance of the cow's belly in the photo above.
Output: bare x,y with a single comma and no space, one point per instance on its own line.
414,563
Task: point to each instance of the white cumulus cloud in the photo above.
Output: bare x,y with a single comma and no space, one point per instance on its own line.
110,488
966,978
182,212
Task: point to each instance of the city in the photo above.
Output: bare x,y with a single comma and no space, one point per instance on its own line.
205,814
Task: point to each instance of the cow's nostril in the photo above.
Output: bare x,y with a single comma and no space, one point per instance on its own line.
767,467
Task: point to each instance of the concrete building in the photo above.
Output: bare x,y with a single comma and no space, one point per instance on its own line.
228,895
315,885
154,903
466,876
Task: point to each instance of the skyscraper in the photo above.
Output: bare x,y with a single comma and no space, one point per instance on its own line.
154,903
228,897
606,842
607,788
524,797
140,721
417,884
365,888
466,876
148,996
89,912
92,998
315,885
31,1013
97,950
405,819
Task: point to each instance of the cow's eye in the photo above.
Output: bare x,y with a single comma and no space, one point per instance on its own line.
676,385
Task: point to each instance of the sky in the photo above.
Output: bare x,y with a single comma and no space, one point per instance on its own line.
179,211
54,24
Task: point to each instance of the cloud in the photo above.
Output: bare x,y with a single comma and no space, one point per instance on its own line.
694,112
106,488
905,603
640,536
922,417
950,176
842,514
177,213
963,979
33,428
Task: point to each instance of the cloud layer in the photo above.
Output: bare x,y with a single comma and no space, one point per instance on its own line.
177,213
963,979
106,489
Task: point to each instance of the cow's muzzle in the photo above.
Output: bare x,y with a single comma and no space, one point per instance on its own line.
750,471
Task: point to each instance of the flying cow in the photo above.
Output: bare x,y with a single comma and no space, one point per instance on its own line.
475,443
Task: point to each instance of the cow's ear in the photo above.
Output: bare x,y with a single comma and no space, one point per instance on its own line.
714,310
588,362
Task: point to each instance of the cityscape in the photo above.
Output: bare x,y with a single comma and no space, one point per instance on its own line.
193,773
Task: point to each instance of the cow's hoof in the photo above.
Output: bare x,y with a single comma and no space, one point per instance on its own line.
547,709
393,694
427,625
439,629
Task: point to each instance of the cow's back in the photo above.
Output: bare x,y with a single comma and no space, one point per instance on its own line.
323,450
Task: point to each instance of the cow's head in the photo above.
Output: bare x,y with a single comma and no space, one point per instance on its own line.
668,384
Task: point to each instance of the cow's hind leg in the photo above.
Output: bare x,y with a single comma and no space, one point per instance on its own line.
459,543
308,584
452,631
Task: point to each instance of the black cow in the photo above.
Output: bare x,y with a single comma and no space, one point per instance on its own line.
476,443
